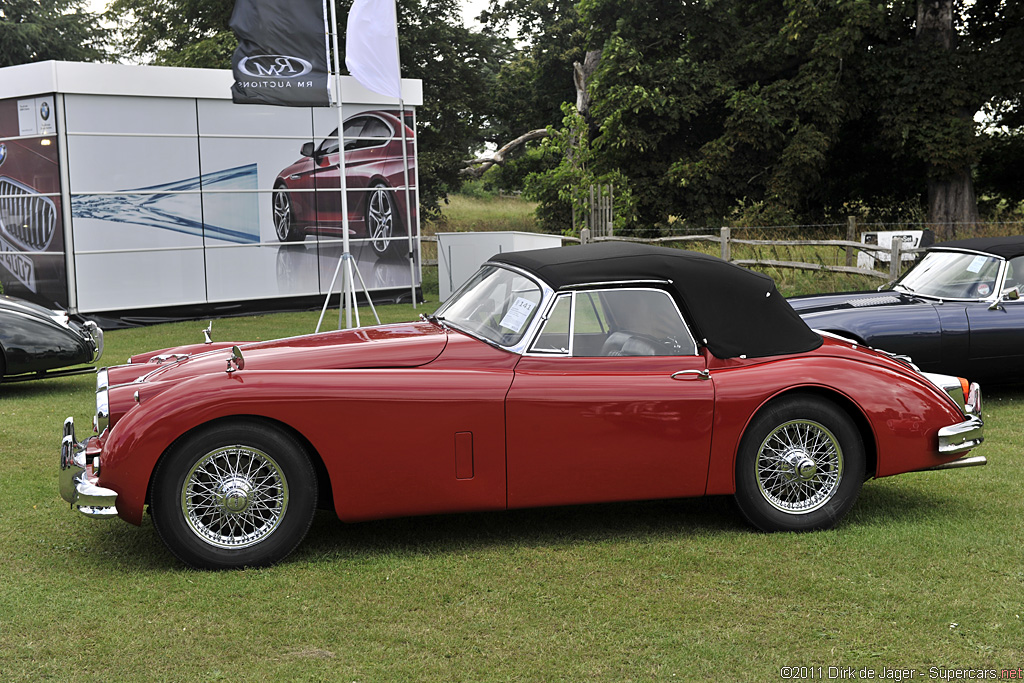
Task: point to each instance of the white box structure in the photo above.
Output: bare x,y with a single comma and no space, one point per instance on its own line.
142,187
911,240
460,254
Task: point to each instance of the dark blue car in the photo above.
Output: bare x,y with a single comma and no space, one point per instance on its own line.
959,311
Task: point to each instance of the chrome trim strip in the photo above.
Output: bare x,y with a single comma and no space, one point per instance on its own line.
585,285
962,437
973,461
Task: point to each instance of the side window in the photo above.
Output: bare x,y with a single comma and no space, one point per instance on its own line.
1015,274
354,132
330,143
377,130
554,335
630,322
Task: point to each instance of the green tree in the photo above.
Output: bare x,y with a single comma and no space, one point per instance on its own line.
457,66
788,110
191,33
39,30
712,106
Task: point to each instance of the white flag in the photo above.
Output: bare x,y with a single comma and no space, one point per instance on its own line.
371,46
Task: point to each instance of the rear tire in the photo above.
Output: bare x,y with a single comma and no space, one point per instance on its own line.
800,466
232,495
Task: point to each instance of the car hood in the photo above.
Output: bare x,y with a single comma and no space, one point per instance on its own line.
387,346
818,303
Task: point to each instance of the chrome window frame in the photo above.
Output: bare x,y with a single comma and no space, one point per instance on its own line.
602,287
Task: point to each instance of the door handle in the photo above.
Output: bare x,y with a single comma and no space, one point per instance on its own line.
700,374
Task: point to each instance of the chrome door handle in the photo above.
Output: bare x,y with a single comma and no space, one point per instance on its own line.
700,374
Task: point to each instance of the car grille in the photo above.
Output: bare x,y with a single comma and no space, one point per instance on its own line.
26,217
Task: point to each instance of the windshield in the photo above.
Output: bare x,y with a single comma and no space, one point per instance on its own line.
495,304
952,275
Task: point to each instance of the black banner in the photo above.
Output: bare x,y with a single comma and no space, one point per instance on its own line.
282,53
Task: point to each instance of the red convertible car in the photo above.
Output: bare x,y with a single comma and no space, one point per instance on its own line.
306,197
553,377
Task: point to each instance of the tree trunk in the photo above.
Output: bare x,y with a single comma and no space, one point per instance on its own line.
581,74
952,204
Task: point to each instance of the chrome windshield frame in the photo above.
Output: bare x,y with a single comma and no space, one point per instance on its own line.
547,295
997,291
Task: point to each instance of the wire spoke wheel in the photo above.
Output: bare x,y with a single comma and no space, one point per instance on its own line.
799,466
234,497
238,493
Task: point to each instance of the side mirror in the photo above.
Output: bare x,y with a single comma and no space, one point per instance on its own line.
307,149
1011,294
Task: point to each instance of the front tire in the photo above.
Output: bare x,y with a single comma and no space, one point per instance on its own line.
383,223
800,466
284,216
232,495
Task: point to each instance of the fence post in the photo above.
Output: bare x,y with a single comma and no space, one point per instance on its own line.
584,235
726,246
894,256
851,236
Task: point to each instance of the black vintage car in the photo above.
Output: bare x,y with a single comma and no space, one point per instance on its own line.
35,341
959,311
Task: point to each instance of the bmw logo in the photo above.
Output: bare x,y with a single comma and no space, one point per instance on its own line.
3,153
44,110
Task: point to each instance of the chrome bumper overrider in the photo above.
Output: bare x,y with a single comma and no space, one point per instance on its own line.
962,437
77,483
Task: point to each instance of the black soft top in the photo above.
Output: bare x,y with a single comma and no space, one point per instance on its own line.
736,312
1006,247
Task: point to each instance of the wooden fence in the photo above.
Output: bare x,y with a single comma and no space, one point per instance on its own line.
726,240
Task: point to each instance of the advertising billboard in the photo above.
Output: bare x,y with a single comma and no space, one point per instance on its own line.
31,228
139,187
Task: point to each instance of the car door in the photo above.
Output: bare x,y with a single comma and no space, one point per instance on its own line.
611,401
996,346
364,151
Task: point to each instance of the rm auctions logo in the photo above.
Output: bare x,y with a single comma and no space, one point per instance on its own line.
44,111
274,66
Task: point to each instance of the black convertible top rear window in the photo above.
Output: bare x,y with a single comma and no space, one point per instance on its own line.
737,312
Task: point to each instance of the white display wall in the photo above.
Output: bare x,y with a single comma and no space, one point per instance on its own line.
169,199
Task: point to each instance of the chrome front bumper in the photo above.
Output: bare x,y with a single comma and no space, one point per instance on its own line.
78,483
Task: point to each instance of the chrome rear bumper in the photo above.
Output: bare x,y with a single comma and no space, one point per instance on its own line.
78,483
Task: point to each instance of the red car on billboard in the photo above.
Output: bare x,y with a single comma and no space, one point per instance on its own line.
306,193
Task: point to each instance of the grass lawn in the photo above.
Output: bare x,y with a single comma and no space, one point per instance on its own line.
926,573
